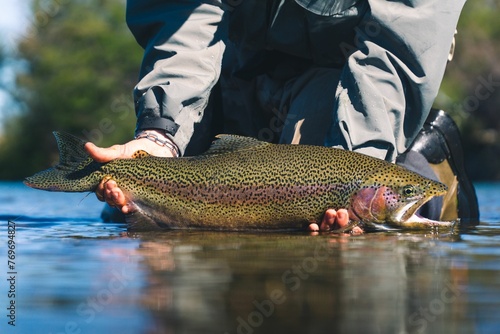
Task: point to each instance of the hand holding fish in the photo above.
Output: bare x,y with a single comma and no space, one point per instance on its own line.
127,150
109,192
241,183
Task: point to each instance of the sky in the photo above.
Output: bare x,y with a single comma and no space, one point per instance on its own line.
14,19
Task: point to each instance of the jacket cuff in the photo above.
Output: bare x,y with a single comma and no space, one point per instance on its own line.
157,123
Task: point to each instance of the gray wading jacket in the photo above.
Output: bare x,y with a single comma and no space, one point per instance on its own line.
357,74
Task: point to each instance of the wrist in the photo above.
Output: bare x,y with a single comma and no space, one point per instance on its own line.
160,138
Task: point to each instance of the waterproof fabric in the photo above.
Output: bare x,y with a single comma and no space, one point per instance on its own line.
361,75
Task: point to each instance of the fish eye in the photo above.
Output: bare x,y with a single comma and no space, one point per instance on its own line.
408,190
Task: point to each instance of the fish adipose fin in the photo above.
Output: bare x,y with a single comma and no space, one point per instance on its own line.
232,143
73,173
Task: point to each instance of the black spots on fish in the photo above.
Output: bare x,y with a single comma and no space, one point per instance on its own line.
140,154
377,182
391,198
262,184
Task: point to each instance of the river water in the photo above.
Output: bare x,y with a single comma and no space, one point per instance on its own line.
71,273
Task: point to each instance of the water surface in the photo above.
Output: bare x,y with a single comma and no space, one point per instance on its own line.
76,274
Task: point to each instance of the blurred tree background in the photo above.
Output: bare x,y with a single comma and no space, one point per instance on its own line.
80,66
470,91
81,63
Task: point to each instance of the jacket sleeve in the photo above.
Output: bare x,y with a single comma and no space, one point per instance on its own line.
392,74
182,61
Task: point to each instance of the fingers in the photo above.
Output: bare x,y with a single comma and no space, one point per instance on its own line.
100,191
104,155
328,220
313,227
356,230
125,151
114,196
342,218
109,192
332,220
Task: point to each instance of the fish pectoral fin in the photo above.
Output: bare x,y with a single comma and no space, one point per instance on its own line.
139,154
232,143
352,224
139,221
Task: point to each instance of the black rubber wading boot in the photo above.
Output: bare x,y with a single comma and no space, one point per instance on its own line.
439,142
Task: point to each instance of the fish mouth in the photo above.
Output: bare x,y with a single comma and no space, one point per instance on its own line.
417,222
408,212
408,218
410,209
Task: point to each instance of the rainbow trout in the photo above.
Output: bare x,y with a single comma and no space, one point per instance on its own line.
241,183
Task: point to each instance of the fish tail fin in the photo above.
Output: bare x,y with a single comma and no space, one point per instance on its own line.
75,172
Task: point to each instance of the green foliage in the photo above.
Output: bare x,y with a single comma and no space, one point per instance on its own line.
82,64
471,88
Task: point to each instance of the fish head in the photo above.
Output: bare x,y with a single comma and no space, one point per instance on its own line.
392,196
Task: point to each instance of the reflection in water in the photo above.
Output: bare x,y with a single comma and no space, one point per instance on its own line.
79,275
246,283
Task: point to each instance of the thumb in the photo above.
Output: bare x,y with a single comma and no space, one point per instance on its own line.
103,155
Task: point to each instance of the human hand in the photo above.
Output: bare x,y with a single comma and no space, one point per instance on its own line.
126,150
108,191
334,220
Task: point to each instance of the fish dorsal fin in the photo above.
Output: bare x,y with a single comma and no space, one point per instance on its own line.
139,154
233,143
71,151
